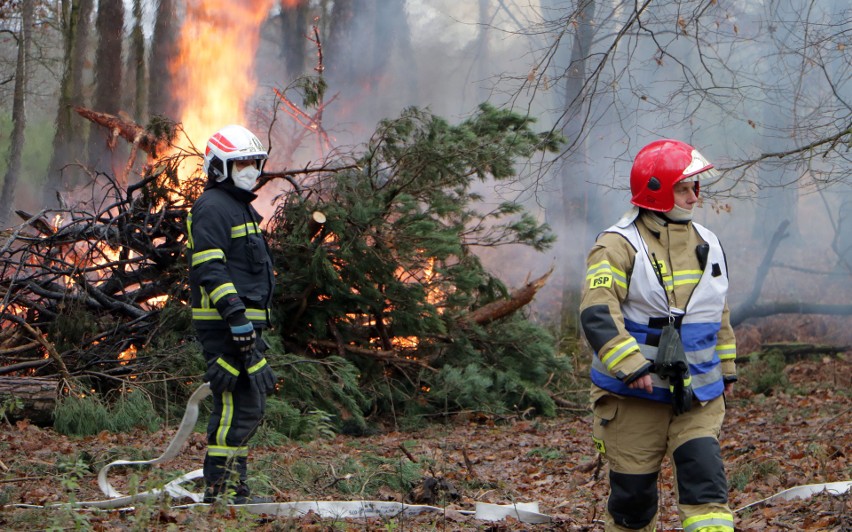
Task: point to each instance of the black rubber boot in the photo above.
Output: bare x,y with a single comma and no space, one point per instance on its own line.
242,495
213,493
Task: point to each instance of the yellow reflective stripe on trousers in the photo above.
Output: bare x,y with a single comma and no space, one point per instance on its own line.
619,351
190,242
225,419
225,451
715,522
200,257
726,351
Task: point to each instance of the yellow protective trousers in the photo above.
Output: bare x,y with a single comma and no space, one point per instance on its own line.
634,435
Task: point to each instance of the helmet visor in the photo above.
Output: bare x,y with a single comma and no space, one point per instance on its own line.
708,176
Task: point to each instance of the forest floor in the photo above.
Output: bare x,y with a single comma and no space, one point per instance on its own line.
800,433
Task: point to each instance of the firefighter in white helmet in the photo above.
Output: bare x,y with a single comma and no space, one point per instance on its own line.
655,311
231,282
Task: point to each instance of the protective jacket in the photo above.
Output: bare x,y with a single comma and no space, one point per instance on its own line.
230,265
642,273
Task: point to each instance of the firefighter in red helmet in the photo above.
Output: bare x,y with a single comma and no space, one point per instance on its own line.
654,309
231,283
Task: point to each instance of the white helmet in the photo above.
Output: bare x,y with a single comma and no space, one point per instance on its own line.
231,143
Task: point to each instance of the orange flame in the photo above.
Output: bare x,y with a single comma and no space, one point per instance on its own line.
127,355
213,70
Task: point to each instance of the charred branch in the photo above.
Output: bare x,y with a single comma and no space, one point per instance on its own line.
85,277
127,129
378,354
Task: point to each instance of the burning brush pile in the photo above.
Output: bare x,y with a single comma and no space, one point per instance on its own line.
381,306
84,287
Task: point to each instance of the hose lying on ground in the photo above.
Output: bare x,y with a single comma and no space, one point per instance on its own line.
524,512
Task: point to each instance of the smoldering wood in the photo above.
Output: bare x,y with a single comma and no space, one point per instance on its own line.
107,258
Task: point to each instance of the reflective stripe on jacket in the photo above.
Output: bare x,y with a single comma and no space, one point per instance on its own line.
230,264
646,310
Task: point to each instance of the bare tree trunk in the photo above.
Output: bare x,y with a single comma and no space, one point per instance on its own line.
779,199
338,62
294,27
19,116
482,56
362,38
136,65
160,101
575,205
68,139
108,76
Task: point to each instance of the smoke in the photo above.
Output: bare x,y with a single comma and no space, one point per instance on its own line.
696,82
734,80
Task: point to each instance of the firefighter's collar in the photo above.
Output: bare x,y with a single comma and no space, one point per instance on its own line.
628,217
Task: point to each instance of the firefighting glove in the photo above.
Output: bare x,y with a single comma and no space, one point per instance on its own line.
260,373
222,374
242,333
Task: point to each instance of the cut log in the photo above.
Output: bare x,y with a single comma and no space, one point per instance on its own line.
316,223
32,398
503,307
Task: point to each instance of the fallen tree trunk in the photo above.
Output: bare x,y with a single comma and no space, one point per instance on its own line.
771,309
32,398
750,308
793,351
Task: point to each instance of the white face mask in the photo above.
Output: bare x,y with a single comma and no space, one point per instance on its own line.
245,178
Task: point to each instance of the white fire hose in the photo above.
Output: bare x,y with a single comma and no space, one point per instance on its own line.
523,512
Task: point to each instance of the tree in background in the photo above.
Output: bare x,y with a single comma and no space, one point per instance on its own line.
108,79
69,137
163,47
19,116
136,101
761,87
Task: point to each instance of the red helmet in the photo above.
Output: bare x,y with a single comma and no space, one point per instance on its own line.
656,169
229,144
